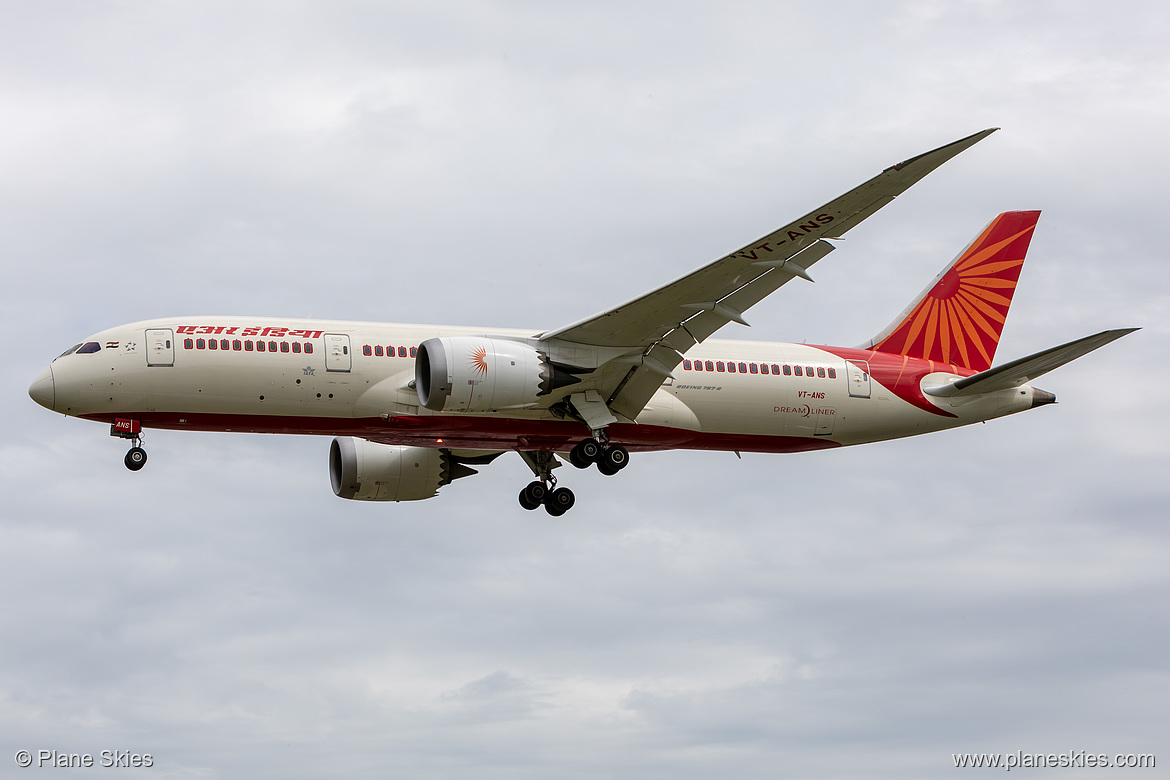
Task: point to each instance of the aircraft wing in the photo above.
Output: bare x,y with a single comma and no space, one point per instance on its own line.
658,327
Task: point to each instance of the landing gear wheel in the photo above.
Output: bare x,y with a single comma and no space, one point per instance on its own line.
613,459
135,458
585,453
532,496
559,501
606,469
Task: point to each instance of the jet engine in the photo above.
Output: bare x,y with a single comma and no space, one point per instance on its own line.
481,374
367,471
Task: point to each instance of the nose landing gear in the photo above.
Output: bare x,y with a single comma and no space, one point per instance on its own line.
132,430
136,457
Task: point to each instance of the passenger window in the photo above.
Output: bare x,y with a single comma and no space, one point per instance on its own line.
820,372
808,370
710,366
212,344
698,365
272,346
799,372
237,345
259,346
743,368
247,346
284,346
832,373
402,352
199,344
367,351
309,347
296,346
755,369
718,365
188,344
787,370
731,368
686,365
414,351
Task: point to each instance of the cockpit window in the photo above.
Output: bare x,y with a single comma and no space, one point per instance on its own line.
88,347
69,351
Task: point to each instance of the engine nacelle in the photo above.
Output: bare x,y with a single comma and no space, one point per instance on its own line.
481,374
368,471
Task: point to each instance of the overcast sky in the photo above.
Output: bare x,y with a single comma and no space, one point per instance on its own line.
859,613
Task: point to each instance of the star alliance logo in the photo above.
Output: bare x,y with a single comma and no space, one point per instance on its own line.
309,371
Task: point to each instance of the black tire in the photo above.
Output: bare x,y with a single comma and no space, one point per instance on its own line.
588,450
135,458
536,492
606,469
526,501
559,501
615,457
578,460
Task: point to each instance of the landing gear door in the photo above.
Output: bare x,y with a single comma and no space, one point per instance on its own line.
337,357
858,378
160,347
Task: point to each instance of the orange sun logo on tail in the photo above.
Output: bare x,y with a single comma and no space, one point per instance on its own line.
960,318
479,361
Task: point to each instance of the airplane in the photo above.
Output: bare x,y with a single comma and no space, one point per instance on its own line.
415,407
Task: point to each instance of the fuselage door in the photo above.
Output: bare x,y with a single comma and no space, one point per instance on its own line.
858,378
337,357
160,347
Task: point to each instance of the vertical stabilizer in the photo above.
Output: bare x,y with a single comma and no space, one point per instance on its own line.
959,317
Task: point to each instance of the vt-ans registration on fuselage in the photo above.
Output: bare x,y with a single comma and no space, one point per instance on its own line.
413,407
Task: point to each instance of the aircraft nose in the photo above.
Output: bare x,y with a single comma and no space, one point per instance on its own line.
42,389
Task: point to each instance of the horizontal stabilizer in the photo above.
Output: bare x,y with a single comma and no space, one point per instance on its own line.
1025,369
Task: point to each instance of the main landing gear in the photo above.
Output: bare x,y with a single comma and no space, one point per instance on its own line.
132,430
544,490
610,459
556,500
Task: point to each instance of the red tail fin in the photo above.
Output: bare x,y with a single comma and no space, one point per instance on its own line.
958,318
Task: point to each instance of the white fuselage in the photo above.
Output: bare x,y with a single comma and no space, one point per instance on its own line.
356,378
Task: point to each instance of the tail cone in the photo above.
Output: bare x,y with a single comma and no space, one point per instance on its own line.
1042,397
